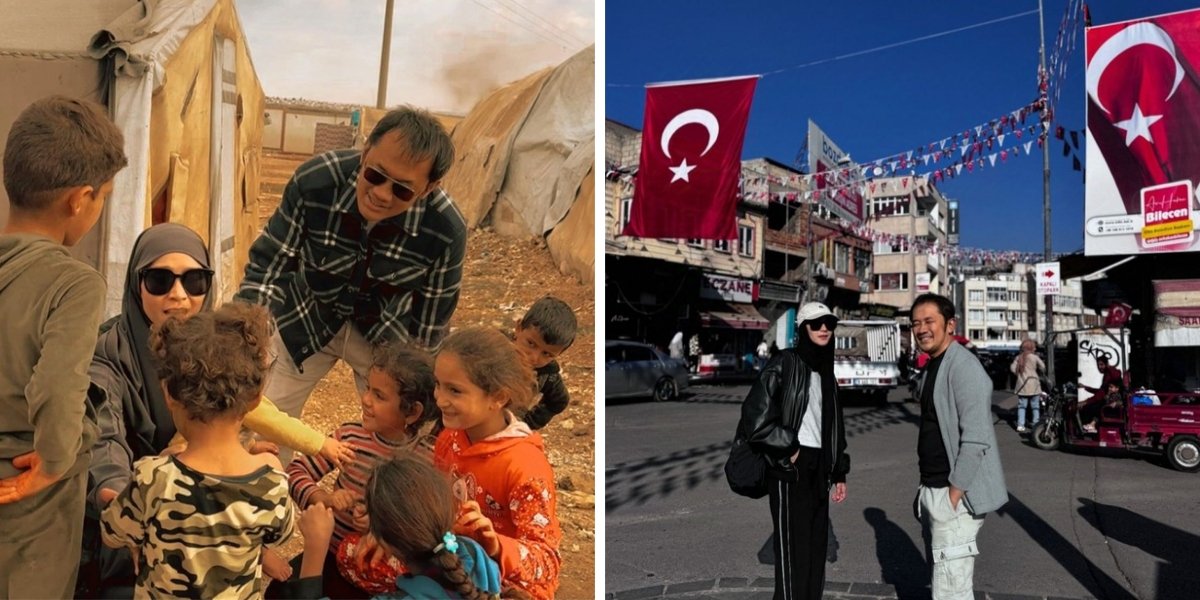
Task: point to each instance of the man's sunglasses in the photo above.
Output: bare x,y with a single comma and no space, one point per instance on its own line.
374,176
829,323
158,282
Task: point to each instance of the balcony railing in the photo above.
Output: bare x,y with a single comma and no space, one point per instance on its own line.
793,243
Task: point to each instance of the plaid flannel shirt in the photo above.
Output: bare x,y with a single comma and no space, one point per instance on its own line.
317,266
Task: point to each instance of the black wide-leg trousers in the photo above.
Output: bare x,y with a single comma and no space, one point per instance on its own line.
800,517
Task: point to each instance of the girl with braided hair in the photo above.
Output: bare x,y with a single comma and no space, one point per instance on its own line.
412,512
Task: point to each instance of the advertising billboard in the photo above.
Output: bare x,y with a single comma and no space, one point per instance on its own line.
1143,135
836,179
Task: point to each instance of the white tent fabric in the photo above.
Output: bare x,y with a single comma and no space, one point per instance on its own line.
554,147
139,41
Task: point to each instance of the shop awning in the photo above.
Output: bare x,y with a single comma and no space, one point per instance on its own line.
1177,312
733,316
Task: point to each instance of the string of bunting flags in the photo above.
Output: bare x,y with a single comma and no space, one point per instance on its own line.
976,256
1075,15
973,149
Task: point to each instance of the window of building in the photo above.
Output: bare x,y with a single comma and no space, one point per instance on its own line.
975,334
891,281
841,258
975,315
626,211
721,246
862,265
1014,296
997,295
886,207
695,242
746,240
896,246
995,315
845,342
974,295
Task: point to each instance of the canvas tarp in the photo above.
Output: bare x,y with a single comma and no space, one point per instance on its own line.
524,155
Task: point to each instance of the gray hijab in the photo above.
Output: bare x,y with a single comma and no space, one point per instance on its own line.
128,344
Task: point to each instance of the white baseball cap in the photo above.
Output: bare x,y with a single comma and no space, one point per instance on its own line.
812,311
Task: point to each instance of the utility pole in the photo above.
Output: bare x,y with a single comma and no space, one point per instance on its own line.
1043,87
381,95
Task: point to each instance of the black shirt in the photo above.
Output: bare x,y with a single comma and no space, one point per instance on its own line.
931,451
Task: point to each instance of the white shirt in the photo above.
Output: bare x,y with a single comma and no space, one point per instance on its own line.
810,425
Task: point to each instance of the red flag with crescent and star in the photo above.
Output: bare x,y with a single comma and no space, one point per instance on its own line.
1143,100
687,180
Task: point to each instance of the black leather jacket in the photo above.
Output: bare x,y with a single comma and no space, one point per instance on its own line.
771,416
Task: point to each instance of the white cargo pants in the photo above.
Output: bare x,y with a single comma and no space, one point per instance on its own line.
952,546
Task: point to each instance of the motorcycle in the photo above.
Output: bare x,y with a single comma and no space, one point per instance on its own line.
1168,428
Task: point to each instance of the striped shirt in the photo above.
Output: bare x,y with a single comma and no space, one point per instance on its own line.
370,449
317,264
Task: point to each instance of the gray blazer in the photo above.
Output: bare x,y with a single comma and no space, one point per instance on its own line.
962,397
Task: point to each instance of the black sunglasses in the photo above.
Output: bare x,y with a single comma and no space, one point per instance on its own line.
158,282
374,176
827,322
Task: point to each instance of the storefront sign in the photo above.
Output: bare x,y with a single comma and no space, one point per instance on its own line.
730,289
922,282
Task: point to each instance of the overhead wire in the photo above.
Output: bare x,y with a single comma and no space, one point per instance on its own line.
547,24
558,42
877,48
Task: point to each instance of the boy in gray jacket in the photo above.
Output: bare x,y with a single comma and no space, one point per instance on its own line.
59,162
961,476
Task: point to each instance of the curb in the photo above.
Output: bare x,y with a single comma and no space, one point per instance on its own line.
763,588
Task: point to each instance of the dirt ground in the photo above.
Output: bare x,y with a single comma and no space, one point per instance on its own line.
501,278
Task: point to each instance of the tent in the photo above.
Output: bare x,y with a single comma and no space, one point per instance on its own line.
177,78
526,161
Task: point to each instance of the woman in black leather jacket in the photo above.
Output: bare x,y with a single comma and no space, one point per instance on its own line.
804,443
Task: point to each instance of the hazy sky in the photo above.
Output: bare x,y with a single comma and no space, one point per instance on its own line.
445,54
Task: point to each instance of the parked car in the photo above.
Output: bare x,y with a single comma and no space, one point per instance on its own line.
714,368
632,370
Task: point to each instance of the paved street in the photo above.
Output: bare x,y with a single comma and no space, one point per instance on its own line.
1076,526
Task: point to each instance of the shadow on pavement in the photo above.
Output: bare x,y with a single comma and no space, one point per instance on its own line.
1178,549
1091,577
901,562
640,481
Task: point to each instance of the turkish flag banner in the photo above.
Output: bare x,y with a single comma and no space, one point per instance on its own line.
691,162
1143,142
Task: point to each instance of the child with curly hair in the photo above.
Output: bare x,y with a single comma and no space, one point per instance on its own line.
501,476
197,521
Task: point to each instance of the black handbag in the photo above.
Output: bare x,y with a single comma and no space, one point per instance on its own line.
746,471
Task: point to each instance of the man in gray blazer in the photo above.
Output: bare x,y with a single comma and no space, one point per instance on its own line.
961,476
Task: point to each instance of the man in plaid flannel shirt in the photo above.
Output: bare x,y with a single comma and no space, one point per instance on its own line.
364,248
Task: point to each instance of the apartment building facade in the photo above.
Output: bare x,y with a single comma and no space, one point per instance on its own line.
912,216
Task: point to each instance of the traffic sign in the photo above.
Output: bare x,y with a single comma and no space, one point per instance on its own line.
1049,280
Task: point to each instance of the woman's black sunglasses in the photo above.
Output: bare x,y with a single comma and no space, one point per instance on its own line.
158,282
830,323
374,176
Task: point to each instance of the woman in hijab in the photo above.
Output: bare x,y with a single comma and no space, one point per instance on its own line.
168,277
1026,367
793,420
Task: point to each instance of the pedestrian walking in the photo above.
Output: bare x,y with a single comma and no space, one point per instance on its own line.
1027,367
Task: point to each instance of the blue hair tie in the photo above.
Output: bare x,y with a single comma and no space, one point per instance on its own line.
449,543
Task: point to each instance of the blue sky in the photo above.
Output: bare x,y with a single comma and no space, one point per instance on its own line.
881,103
